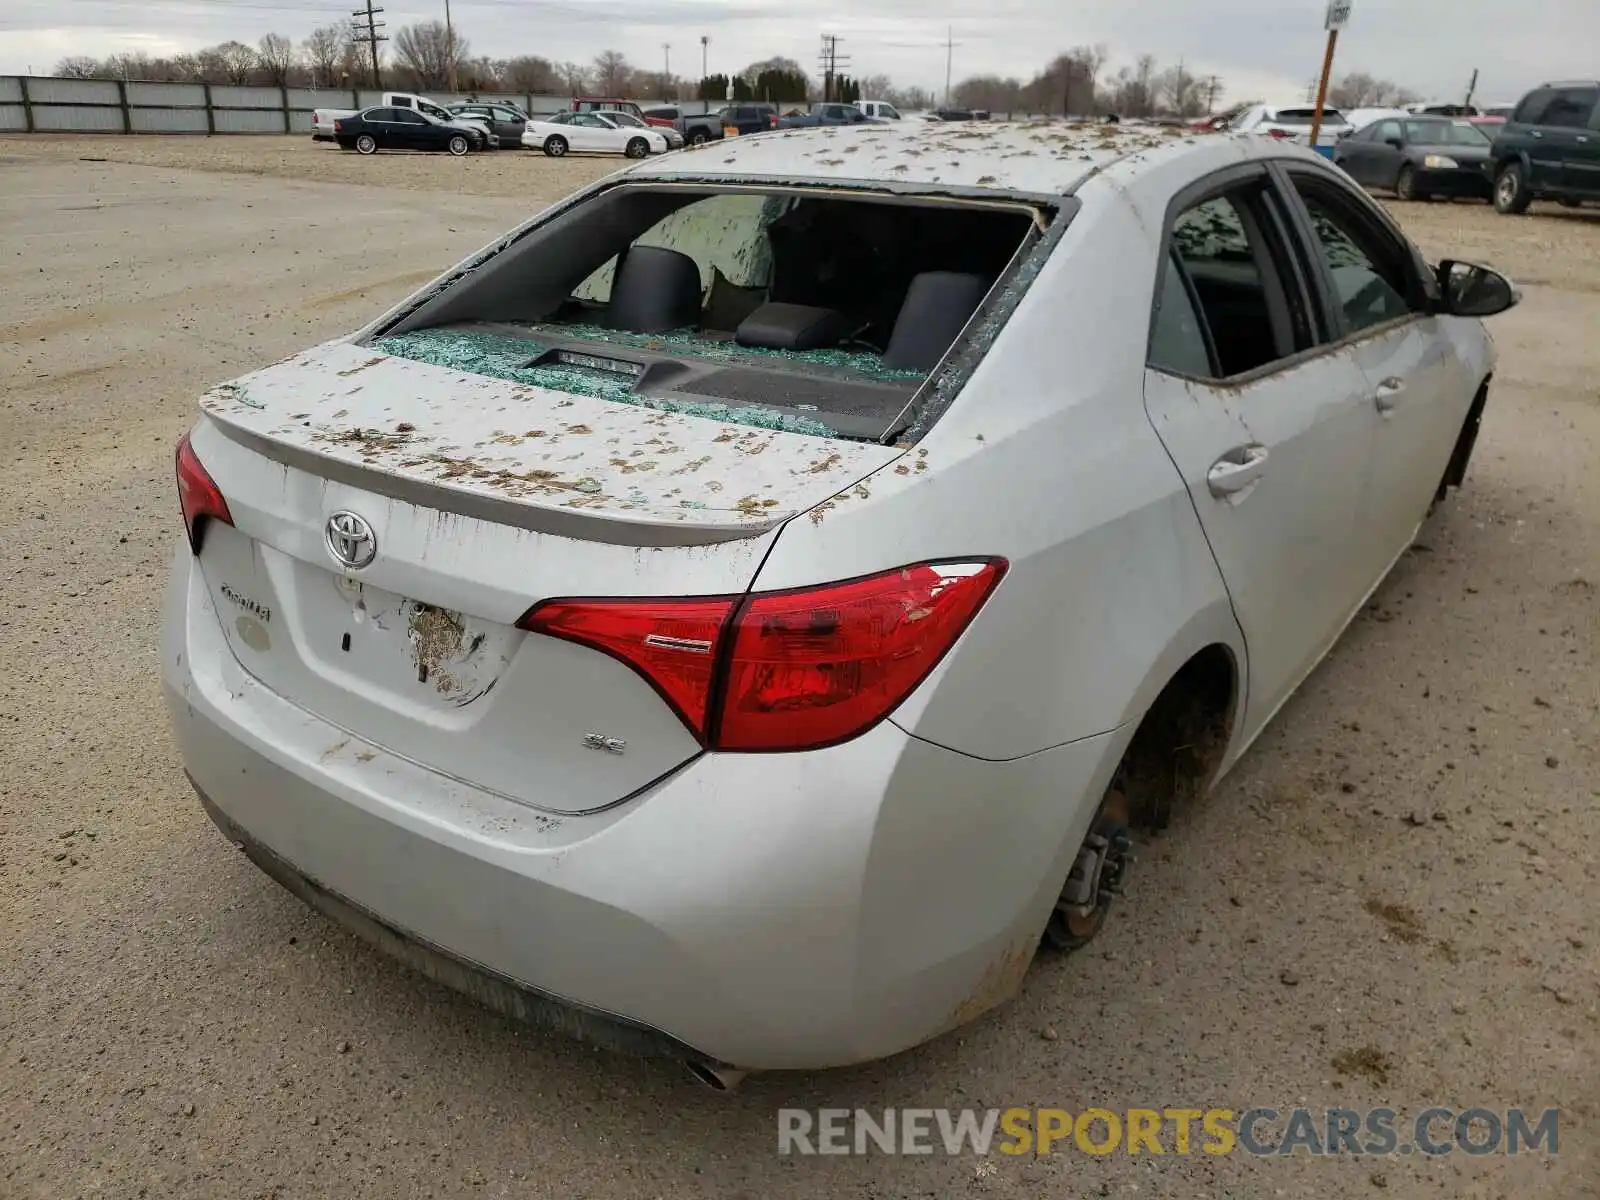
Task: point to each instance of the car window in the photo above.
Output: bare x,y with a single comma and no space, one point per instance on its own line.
383,114
888,110
1177,341
406,117
1254,319
1571,107
1366,268
725,235
589,122
1387,130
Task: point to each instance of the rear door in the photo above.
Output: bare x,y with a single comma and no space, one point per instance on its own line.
1553,118
1378,312
1385,154
383,124
1269,431
1580,173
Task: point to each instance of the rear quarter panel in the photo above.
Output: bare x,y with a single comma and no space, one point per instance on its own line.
1048,459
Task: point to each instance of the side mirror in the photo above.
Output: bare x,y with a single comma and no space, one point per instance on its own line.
1397,143
1468,290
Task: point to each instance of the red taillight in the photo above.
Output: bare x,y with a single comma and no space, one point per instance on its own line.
1280,134
339,126
672,643
793,670
198,494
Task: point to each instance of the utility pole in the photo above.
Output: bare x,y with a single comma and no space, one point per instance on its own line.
450,39
829,63
1472,87
666,68
367,31
949,58
1211,96
705,42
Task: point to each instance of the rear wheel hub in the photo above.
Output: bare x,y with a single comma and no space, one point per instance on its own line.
1098,875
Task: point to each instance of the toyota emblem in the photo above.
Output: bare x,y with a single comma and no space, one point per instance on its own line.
351,540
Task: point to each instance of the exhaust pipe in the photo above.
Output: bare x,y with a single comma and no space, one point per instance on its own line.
719,1079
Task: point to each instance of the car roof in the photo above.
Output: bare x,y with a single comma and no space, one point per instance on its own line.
1037,158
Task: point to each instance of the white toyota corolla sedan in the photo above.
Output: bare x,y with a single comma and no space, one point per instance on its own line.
744,611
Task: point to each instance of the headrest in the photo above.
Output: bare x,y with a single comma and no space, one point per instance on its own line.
792,327
655,290
937,305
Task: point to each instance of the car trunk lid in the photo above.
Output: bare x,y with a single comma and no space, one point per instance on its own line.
482,497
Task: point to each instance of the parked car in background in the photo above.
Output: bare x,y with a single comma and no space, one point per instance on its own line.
952,114
1550,148
754,117
826,114
1359,118
696,128
753,708
607,104
1441,108
1418,158
591,133
1292,124
506,121
626,120
375,129
880,109
322,119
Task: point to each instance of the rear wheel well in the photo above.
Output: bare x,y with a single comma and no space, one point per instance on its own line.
1178,747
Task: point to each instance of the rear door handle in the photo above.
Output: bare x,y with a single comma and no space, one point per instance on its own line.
1388,394
1236,470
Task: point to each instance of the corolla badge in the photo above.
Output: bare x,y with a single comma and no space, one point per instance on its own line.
350,540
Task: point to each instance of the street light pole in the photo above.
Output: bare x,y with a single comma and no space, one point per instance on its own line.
705,41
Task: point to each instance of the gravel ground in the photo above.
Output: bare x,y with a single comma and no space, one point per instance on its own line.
1392,901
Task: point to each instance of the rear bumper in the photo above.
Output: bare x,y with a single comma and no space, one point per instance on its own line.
756,911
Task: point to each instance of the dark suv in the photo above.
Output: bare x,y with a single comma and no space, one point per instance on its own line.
1549,148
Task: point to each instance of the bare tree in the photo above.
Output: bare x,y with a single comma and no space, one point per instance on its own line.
79,66
274,58
574,77
611,72
1181,91
322,50
530,73
989,92
426,49
228,62
1357,89
481,74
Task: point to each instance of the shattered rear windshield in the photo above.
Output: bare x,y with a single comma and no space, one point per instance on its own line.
810,313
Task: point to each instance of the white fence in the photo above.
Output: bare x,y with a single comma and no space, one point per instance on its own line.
33,104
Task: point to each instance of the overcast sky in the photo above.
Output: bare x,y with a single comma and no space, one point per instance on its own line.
1259,48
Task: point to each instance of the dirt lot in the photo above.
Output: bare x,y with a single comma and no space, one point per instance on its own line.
1393,901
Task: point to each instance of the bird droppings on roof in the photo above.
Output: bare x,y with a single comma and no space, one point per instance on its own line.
1038,157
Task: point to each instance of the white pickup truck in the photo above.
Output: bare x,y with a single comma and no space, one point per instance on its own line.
322,119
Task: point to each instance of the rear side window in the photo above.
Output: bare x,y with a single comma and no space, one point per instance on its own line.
1571,107
1365,266
1250,305
1177,340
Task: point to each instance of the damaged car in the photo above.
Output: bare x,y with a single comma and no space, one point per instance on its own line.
746,611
